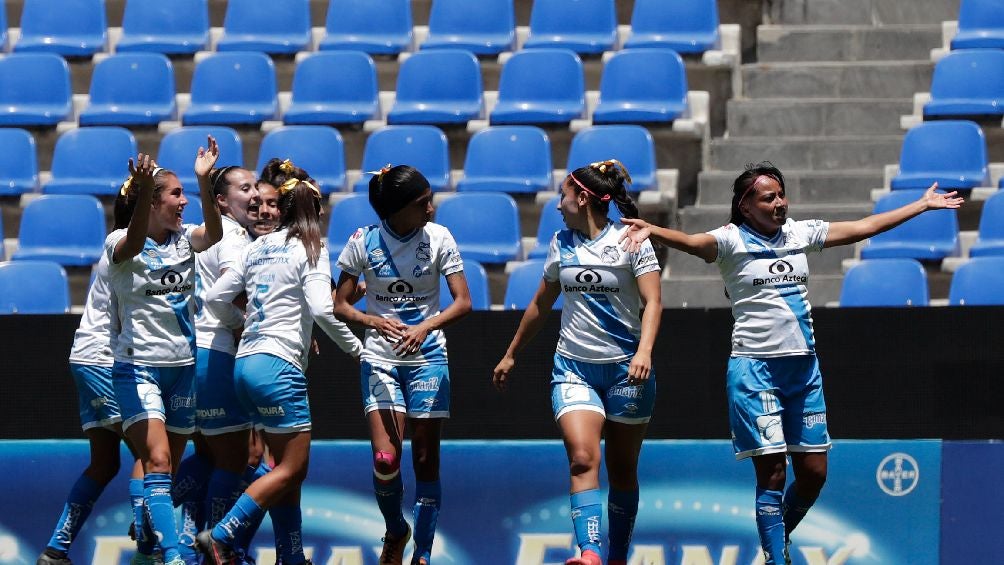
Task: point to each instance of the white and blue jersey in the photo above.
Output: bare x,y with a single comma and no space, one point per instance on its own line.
600,320
402,282
210,331
766,281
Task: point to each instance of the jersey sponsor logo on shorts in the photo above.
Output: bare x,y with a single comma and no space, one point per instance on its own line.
626,391
770,428
271,411
631,407
430,385
178,402
211,412
812,418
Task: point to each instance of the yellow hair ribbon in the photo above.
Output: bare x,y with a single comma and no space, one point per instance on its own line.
602,167
291,184
383,170
286,166
125,186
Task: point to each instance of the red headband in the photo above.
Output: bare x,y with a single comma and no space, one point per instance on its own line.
752,186
604,198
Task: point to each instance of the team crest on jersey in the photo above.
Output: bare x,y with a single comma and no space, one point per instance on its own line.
183,246
610,254
423,252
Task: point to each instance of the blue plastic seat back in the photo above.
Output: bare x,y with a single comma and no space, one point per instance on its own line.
477,284
338,78
508,159
91,160
18,162
439,86
885,282
485,27
192,214
931,235
276,26
540,85
66,228
66,27
179,147
34,89
138,88
686,26
951,152
237,82
968,83
981,25
522,285
630,144
485,225
33,287
423,147
990,240
642,85
585,26
348,215
165,26
316,149
375,26
4,38
978,282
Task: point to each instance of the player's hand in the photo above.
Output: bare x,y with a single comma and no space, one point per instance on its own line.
141,171
314,347
938,201
500,378
391,330
637,233
640,368
206,158
411,340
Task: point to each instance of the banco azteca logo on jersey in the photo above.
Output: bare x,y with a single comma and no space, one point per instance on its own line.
780,272
400,286
589,280
170,281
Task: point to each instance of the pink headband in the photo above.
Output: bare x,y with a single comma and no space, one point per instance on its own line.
604,198
753,185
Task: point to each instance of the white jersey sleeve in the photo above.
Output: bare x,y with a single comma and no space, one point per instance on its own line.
92,341
551,263
213,328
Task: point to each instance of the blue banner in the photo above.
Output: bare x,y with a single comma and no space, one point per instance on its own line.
506,502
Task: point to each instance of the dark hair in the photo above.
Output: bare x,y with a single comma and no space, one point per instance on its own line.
275,172
218,178
300,209
745,181
605,181
394,188
125,200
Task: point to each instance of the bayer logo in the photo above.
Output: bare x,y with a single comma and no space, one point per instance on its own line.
898,474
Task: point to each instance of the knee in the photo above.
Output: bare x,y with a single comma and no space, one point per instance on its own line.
386,465
812,479
102,472
159,460
582,461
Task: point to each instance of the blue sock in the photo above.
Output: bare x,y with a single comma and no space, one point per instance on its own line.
251,475
428,499
193,521
145,542
220,494
78,507
770,525
587,513
157,493
389,496
244,513
191,480
794,508
287,525
622,508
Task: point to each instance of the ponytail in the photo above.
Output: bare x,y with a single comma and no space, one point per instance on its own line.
606,181
300,206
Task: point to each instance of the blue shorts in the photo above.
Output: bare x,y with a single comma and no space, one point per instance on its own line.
217,410
602,388
98,407
776,405
421,391
164,393
274,392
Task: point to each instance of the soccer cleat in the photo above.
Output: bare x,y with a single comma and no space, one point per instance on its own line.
588,557
53,557
217,553
393,548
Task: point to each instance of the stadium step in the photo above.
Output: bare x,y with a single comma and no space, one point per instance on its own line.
816,117
709,292
813,153
802,186
861,12
886,79
846,43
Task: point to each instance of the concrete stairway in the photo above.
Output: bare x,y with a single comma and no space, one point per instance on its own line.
822,103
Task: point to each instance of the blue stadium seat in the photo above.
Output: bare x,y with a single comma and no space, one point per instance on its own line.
74,28
485,225
34,90
48,293
4,38
441,86
510,159
981,25
953,153
18,162
171,27
540,86
179,147
685,26
522,285
978,282
378,27
215,100
477,284
584,26
192,214
335,87
348,215
276,26
990,240
131,89
968,83
422,147
485,27
932,235
630,144
551,222
317,149
885,282
642,85
91,161
68,229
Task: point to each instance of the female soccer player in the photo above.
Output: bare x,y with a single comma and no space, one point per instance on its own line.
152,275
287,278
404,364
602,383
774,385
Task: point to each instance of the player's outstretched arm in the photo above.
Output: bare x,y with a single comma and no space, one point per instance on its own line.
699,244
843,233
533,319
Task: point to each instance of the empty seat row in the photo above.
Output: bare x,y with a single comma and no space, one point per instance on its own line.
952,153
486,27
967,83
903,282
981,25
